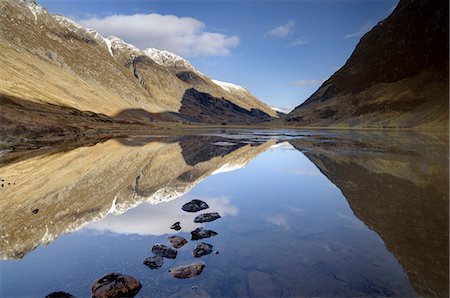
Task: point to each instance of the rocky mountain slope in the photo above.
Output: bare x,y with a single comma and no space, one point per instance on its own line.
52,61
396,77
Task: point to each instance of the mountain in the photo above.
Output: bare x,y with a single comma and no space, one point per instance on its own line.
396,77
52,65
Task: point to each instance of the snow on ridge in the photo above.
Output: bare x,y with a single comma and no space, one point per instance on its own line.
65,21
166,58
229,86
115,41
34,8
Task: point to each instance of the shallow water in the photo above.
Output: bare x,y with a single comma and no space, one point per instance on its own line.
304,213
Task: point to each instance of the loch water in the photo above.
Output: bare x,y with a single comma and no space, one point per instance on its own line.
303,213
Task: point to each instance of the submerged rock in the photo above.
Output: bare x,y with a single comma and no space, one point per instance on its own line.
177,241
176,226
59,294
201,233
154,262
194,206
164,251
206,217
202,249
115,285
187,271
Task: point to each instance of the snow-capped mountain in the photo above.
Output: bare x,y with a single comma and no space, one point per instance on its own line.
78,68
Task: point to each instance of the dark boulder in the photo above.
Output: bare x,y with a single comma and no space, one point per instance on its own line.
187,271
154,262
115,285
201,233
194,206
206,217
176,226
164,251
177,241
202,249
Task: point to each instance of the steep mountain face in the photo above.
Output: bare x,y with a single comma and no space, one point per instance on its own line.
396,77
52,61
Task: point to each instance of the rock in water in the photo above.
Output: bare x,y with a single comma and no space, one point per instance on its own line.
115,285
206,217
202,249
164,251
176,226
177,241
187,271
59,294
194,206
201,233
154,262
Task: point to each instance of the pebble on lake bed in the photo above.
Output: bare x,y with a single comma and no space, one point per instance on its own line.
201,233
154,262
59,294
177,241
164,251
194,206
206,217
176,226
115,285
202,249
187,271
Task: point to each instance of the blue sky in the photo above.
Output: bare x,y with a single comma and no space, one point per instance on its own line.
280,50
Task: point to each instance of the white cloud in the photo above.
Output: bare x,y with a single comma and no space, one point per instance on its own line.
184,36
281,31
298,42
305,82
361,31
148,219
278,220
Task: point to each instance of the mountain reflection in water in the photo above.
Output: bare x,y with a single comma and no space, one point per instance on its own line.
286,230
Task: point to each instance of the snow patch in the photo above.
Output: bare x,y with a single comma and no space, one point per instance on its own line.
229,86
166,58
228,168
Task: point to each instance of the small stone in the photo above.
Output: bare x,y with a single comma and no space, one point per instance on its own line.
59,294
194,206
206,217
176,226
115,285
202,249
164,251
187,271
154,262
217,252
35,211
201,233
177,241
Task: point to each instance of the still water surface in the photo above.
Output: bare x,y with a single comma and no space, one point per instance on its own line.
303,214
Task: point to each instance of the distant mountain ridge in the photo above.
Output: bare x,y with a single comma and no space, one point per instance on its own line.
51,60
397,76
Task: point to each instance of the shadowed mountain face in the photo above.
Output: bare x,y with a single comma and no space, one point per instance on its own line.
398,186
397,75
46,194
